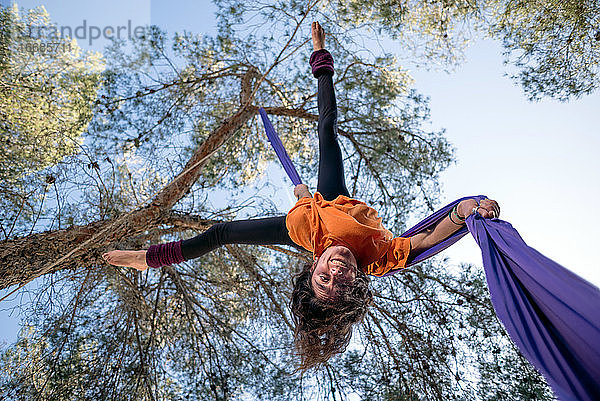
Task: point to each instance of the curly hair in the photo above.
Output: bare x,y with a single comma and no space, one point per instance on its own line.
322,328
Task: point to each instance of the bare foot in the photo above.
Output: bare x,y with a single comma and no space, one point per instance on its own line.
135,259
318,36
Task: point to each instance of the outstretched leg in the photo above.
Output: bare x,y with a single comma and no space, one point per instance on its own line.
267,231
331,182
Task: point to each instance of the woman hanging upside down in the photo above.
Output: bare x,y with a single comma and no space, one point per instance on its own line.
345,236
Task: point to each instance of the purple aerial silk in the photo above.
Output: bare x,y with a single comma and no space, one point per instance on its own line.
279,149
551,314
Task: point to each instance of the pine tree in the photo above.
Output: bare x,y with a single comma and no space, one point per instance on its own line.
47,92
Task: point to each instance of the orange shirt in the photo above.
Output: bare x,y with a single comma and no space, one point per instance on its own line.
315,224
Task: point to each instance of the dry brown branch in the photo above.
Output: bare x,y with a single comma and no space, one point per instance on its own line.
248,264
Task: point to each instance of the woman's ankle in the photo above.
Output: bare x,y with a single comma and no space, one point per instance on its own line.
164,254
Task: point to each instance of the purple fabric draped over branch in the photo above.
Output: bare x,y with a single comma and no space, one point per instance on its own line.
551,314
279,149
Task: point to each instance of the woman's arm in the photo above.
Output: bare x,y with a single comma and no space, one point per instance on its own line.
487,208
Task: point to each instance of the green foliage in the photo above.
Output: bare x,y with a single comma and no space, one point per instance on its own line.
46,97
435,30
47,92
552,47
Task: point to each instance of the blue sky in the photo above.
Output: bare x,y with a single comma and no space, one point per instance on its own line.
537,159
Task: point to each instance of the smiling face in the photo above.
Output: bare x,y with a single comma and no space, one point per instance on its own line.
336,266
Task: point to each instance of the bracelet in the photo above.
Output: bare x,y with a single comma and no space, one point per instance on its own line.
455,210
450,216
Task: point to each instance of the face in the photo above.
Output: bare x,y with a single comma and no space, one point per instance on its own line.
337,265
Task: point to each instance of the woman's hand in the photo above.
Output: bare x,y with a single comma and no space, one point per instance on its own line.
487,208
301,191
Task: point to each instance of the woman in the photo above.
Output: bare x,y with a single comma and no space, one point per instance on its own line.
346,237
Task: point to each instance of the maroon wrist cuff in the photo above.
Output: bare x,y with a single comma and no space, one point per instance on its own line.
164,254
321,62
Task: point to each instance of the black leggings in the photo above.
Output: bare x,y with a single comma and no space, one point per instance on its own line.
272,230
